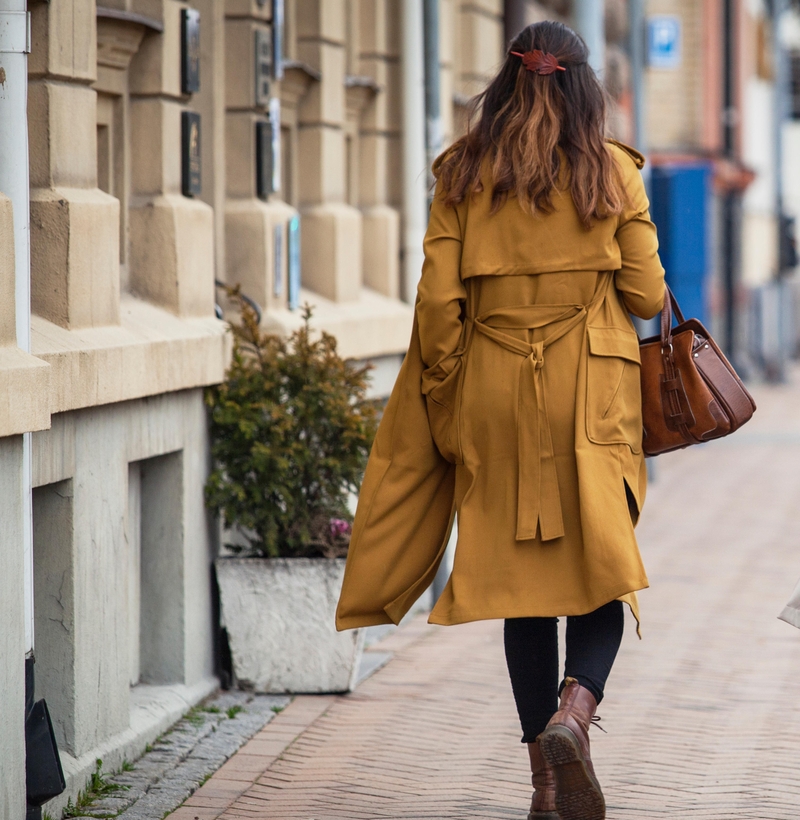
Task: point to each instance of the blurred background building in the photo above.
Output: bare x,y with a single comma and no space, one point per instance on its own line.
177,147
718,130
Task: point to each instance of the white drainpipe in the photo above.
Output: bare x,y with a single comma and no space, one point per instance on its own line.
415,217
14,183
588,18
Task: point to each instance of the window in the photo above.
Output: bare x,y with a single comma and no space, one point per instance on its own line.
154,535
110,158
54,606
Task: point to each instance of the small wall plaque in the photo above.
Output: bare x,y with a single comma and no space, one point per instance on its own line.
294,263
190,51
277,38
263,159
263,66
190,153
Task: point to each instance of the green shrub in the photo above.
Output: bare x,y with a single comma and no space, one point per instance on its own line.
291,431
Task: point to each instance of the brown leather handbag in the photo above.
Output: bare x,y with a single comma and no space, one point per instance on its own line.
690,392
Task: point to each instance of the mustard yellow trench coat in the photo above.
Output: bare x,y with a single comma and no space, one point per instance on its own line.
518,408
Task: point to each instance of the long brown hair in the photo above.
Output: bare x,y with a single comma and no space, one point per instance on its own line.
527,122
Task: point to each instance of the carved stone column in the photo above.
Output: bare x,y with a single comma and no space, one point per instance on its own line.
378,127
331,229
172,235
74,225
256,222
118,39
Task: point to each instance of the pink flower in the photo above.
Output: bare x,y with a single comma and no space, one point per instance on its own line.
339,527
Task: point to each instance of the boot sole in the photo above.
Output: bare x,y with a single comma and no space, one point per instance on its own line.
543,815
578,795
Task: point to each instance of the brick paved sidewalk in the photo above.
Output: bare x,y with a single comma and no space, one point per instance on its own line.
703,715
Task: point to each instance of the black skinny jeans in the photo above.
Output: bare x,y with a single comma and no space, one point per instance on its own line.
532,656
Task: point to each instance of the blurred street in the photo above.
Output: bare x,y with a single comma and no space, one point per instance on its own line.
703,715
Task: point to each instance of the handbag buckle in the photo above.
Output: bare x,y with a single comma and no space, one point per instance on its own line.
677,411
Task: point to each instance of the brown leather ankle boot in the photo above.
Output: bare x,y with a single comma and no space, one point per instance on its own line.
543,805
565,747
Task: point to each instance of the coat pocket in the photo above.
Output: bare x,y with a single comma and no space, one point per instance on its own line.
613,389
443,400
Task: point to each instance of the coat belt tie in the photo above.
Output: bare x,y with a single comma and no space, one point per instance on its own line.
538,496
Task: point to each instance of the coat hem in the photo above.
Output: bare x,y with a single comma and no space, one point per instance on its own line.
449,620
357,621
791,616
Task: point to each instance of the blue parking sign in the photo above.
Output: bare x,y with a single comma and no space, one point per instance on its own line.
664,41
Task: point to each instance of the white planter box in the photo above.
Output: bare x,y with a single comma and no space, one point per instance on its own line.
279,615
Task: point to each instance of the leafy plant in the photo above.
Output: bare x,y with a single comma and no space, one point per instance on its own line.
291,431
234,710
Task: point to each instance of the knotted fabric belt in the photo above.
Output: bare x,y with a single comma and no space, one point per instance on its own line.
538,497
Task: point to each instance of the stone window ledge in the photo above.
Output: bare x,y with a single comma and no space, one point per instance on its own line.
151,351
368,327
24,398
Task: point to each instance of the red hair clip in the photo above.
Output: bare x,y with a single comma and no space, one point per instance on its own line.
539,61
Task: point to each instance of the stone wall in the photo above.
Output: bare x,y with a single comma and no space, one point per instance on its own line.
122,556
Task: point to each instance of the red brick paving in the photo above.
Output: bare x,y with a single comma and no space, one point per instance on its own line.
703,715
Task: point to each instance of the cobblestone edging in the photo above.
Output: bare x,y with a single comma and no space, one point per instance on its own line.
183,758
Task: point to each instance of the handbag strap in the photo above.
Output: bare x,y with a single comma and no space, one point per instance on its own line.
676,308
671,307
673,385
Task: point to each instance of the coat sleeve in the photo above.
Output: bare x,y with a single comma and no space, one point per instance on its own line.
441,293
640,279
405,510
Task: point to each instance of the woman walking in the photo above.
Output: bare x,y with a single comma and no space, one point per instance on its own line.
518,405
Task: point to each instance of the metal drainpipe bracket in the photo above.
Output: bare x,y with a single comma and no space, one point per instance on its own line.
15,32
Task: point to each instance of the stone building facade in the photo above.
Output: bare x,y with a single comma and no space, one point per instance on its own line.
262,149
